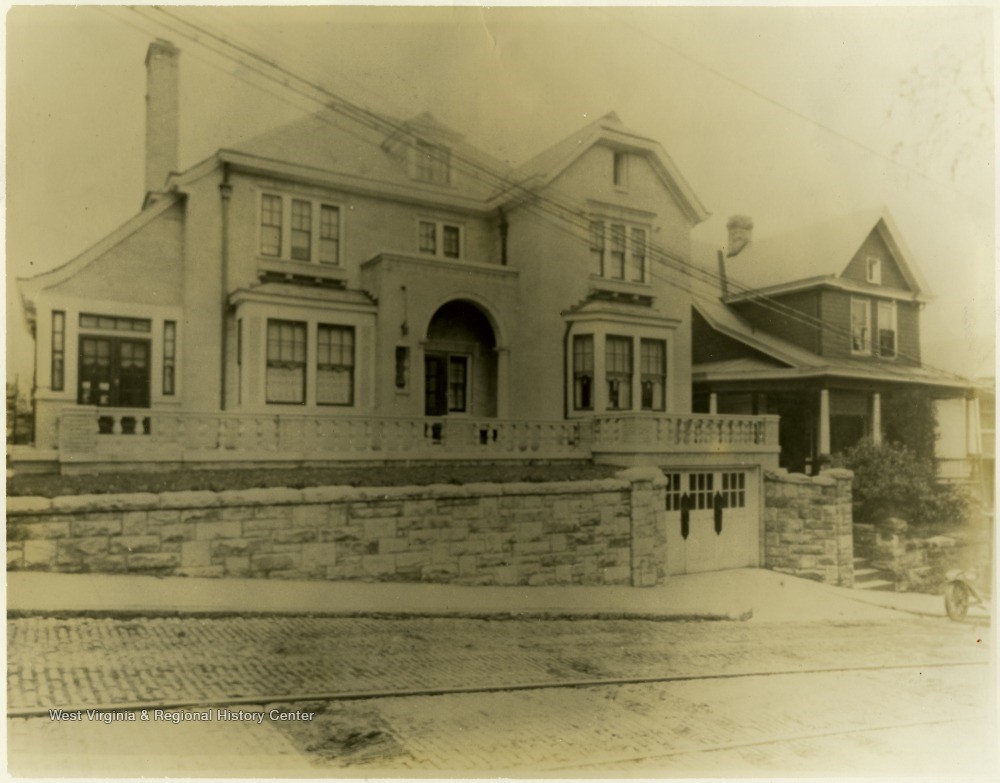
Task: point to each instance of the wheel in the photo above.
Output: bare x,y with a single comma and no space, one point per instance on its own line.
956,600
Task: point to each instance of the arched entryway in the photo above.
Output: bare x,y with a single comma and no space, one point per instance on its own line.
460,362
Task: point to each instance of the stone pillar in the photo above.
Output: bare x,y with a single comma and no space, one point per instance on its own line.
648,532
824,423
876,418
713,403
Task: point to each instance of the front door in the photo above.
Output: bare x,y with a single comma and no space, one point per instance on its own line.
435,385
114,372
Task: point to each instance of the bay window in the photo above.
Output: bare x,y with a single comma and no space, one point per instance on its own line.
618,371
583,372
286,362
653,369
334,365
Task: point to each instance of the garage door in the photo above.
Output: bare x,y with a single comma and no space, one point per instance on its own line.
713,520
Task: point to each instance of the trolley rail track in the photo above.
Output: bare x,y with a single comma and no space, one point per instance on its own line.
472,689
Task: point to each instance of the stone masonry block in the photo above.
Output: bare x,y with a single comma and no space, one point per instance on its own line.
134,522
262,526
378,565
314,555
294,536
120,545
237,566
71,550
39,553
390,546
196,554
505,575
201,514
379,528
172,534
272,562
205,531
309,516
375,510
153,560
104,526
37,530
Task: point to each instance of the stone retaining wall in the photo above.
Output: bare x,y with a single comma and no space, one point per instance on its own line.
595,532
807,525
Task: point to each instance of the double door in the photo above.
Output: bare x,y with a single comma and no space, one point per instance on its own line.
114,372
713,520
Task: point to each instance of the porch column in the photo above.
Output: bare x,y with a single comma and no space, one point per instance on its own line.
503,382
713,403
824,422
876,418
973,439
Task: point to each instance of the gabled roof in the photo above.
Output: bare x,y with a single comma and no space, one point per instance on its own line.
30,286
550,163
326,141
816,253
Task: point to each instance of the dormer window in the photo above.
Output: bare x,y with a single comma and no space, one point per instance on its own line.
874,266
620,171
431,163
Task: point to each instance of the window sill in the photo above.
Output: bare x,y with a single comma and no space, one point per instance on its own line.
300,268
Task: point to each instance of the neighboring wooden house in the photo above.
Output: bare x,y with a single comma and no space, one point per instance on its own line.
820,326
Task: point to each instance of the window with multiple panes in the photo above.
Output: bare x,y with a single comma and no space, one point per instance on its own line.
58,350
673,490
439,239
286,362
169,356
334,365
314,229
431,163
301,233
734,489
886,314
117,323
701,487
653,369
583,372
618,371
458,373
614,244
861,320
271,215
637,256
329,234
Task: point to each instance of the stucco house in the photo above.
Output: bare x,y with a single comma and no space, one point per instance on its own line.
822,327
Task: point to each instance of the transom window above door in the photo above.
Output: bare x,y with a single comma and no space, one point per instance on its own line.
299,229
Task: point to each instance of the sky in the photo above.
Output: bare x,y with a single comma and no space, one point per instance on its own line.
789,115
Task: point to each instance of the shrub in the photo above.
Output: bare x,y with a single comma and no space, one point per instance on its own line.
891,481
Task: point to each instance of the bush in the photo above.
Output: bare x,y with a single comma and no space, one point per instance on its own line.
891,481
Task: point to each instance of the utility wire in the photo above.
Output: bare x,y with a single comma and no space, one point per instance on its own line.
575,214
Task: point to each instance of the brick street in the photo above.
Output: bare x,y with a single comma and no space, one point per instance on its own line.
79,662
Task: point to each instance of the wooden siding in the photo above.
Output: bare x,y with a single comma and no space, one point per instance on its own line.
874,245
708,345
836,308
787,326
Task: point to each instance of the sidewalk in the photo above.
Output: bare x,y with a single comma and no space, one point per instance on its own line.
726,595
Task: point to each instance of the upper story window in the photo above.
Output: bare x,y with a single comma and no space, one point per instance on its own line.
653,367
886,314
861,326
611,244
118,323
873,265
619,174
436,238
431,163
314,229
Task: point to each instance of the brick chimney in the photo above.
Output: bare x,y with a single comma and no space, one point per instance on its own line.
162,116
740,229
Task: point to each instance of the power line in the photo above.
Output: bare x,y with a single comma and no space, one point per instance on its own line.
574,214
